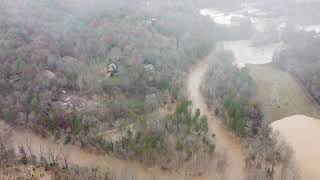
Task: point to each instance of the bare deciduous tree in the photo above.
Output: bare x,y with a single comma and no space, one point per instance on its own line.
266,153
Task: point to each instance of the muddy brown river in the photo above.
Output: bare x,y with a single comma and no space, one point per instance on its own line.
226,141
302,133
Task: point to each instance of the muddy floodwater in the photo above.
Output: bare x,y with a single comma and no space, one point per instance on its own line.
302,133
226,141
244,50
77,156
246,53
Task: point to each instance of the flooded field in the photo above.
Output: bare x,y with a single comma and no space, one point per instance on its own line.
246,53
280,95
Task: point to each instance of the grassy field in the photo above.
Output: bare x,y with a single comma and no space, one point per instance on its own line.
280,95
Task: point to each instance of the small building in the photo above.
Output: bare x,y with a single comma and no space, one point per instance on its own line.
112,70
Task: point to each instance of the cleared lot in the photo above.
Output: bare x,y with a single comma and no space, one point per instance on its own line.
280,95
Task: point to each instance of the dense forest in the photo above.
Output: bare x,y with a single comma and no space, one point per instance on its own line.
54,76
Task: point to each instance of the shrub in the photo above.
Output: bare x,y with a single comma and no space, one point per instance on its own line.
136,106
111,84
5,85
51,121
76,125
203,125
236,114
103,144
179,146
19,65
71,76
8,114
151,144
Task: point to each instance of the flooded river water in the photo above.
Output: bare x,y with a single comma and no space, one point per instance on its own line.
302,133
245,53
298,130
226,141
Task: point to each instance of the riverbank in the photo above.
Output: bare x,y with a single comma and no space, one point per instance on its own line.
226,141
79,157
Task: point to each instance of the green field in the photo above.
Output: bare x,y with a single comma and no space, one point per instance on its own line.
280,95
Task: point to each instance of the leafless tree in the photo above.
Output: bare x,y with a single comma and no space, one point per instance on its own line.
266,152
7,155
54,156
222,164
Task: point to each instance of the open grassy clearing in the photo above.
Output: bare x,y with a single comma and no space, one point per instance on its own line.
280,95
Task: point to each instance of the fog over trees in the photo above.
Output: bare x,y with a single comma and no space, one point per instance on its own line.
54,80
301,59
110,78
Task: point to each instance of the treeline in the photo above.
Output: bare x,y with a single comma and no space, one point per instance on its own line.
301,59
181,139
50,164
230,90
269,157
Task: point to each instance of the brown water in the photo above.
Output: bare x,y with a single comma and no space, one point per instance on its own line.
302,133
226,142
77,156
